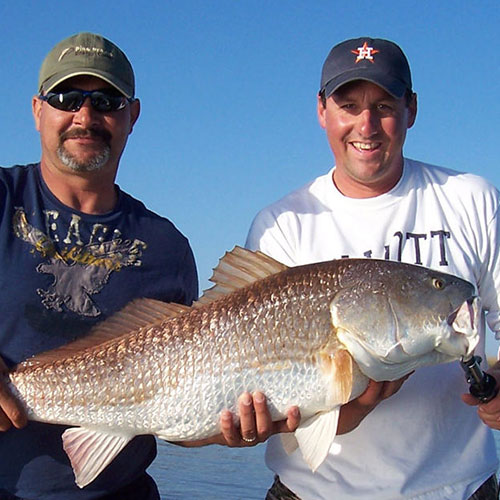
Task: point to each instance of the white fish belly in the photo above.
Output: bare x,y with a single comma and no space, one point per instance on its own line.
195,407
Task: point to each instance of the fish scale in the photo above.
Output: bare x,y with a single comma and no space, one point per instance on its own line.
300,335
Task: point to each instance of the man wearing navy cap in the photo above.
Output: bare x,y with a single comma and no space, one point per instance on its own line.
413,438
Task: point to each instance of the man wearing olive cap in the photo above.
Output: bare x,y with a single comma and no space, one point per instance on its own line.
75,248
413,439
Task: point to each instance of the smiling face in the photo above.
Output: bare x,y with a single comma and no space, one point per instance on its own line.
85,140
366,129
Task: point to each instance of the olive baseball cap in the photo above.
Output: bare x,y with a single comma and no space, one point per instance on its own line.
372,59
87,54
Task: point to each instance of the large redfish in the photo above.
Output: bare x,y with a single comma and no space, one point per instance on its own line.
309,336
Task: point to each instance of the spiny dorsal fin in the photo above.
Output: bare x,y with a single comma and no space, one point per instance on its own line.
237,269
134,316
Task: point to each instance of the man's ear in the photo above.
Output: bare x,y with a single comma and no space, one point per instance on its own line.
412,110
321,109
135,111
36,109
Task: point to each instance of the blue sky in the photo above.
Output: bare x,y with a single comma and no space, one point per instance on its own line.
228,91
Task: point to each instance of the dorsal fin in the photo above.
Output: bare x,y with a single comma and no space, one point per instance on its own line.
135,315
237,269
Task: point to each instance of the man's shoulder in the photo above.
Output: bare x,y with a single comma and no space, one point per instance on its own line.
286,215
18,179
153,220
448,176
17,172
302,199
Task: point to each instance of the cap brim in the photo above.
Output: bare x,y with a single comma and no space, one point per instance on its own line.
391,85
57,79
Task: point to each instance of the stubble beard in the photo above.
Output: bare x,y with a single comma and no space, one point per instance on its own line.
95,162
92,164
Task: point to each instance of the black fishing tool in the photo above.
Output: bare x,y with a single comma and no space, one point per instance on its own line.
482,385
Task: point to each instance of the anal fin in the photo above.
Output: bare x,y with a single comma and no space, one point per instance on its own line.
90,451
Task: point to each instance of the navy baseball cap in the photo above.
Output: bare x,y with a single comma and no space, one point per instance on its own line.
372,59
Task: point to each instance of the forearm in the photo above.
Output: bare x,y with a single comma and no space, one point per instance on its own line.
218,439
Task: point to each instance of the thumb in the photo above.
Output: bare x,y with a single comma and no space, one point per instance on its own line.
470,400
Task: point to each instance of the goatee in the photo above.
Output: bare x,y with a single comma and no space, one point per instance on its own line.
96,162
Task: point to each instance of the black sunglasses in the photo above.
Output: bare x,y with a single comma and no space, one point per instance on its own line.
72,100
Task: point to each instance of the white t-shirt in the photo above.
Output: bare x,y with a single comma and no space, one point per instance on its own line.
423,442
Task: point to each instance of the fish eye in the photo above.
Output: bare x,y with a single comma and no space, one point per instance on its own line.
438,283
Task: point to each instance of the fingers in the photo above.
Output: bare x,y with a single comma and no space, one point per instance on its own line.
254,418
290,424
390,388
246,433
490,419
470,400
488,412
264,424
11,411
230,434
256,423
376,392
353,413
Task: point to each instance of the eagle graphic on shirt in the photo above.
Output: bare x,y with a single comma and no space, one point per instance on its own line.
79,271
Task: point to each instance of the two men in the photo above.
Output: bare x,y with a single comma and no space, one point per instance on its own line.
423,441
67,229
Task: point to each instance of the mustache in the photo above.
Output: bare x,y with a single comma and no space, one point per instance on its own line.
86,132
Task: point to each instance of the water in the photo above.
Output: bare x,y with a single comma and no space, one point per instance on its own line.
211,472
215,472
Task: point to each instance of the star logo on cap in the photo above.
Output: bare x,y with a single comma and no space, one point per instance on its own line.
365,52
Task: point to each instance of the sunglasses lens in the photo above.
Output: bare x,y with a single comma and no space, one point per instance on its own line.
66,101
72,100
102,101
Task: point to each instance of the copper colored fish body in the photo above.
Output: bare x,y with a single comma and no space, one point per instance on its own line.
309,336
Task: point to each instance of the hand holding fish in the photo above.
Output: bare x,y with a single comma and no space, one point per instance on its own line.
353,413
488,412
256,424
11,411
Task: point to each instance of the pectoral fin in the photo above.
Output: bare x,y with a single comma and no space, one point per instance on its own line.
315,437
91,451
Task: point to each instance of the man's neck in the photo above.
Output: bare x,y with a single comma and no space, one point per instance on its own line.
88,192
357,188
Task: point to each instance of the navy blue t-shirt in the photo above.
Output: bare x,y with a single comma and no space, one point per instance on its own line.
63,271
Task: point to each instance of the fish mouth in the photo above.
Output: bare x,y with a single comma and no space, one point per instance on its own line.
466,323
